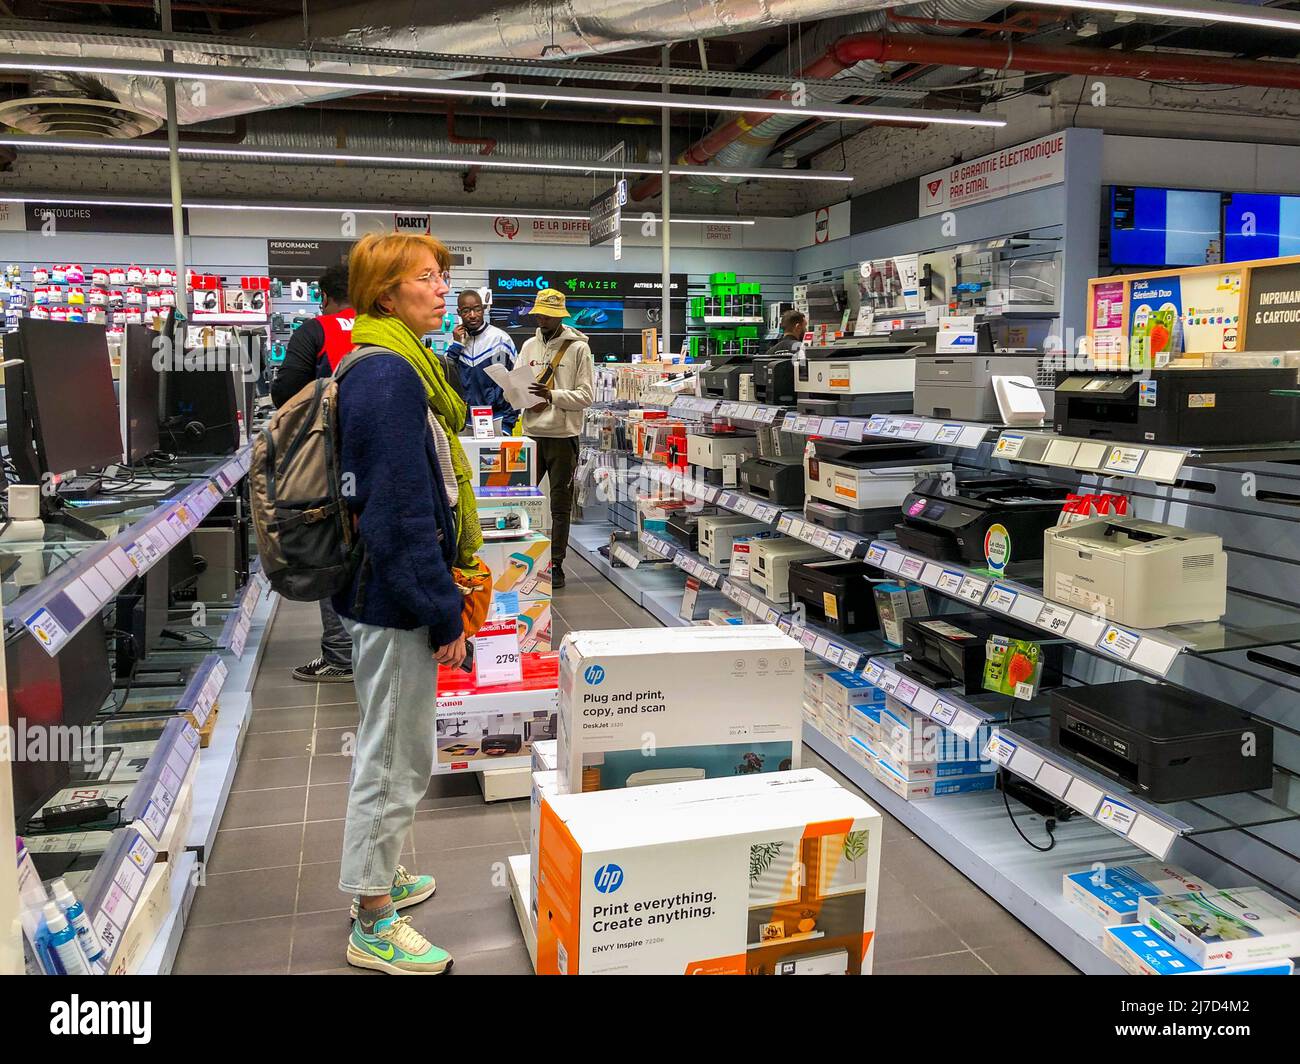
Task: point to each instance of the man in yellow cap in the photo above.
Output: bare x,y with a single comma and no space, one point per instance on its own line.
562,363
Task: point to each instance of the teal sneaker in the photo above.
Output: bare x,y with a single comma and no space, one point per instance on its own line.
396,948
407,890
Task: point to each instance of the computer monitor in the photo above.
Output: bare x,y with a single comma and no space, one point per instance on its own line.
140,383
61,408
84,674
35,697
199,409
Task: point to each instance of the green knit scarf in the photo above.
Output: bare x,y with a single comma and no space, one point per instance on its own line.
447,407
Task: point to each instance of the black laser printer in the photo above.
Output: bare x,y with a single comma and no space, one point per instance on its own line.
950,519
836,593
722,379
1180,407
777,478
1167,744
950,650
684,526
774,379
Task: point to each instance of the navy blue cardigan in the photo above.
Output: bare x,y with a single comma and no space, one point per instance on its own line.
406,523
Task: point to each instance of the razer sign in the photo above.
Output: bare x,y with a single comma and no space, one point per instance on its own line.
596,285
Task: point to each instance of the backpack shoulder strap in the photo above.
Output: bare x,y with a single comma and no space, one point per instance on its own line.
359,355
555,361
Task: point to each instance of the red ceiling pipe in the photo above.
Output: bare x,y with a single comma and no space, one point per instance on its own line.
1001,55
487,145
1098,62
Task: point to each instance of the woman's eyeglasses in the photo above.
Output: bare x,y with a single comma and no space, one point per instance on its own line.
433,277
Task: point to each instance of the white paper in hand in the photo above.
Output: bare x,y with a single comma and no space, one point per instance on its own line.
515,384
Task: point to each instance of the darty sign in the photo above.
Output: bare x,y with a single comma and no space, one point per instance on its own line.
1034,164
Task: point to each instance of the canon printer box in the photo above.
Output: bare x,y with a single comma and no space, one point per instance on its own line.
767,874
646,706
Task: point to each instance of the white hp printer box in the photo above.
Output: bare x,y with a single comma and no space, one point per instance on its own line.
646,706
762,874
545,752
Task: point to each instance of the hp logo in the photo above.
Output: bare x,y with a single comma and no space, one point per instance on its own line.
609,877
595,674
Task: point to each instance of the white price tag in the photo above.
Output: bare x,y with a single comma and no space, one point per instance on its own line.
1000,598
1009,445
1056,619
948,434
873,673
944,712
893,561
154,819
893,427
875,427
965,725
819,538
845,547
890,681
875,554
785,524
496,653
911,568
808,639
692,592
972,589
840,429
1001,749
1119,641
909,430
1114,814
47,630
949,582
906,691
1123,459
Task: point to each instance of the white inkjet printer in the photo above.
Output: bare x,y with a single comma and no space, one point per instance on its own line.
1135,572
868,482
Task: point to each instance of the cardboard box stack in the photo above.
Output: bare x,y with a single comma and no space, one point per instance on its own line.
521,585
668,836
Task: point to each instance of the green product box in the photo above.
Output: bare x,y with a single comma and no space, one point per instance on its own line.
749,289
697,307
747,332
722,278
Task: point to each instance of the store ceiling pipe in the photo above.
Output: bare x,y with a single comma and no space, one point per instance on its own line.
1089,62
939,50
745,141
519,29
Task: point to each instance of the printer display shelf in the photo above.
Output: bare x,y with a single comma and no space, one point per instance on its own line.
843,651
1162,465
963,434
942,707
1153,652
728,498
758,414
694,407
1147,826
696,566
842,544
743,594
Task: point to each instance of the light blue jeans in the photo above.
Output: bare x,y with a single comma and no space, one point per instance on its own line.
397,685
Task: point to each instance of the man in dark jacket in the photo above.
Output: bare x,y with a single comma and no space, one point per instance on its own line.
314,350
475,345
318,345
793,326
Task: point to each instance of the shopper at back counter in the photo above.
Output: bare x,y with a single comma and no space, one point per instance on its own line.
315,349
418,524
562,363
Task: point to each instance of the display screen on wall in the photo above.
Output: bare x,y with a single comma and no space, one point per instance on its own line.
1259,225
1162,226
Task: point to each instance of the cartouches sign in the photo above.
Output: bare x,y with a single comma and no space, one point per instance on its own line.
1273,308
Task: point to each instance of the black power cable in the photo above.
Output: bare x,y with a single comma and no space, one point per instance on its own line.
1050,824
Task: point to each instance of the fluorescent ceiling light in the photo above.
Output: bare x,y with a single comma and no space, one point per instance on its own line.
498,92
437,212
225,151
1196,10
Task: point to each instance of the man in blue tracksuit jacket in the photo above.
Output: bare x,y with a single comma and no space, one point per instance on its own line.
475,346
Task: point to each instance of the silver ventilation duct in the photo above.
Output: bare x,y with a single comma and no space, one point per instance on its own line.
521,29
401,135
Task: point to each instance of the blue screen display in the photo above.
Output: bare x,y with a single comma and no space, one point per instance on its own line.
1258,225
1162,226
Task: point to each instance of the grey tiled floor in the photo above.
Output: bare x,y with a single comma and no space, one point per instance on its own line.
271,902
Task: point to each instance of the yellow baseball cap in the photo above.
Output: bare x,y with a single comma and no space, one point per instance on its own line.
550,301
